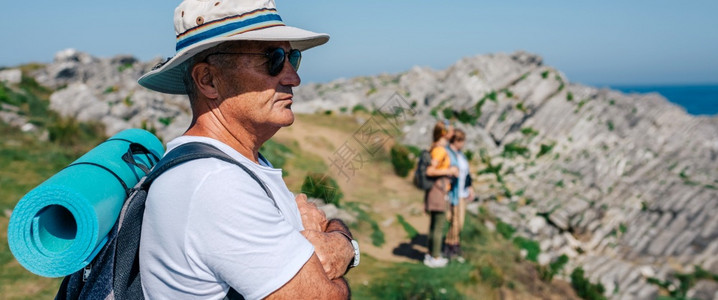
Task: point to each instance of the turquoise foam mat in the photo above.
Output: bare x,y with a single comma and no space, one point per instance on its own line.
58,227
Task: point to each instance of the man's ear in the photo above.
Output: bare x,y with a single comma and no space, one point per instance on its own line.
203,76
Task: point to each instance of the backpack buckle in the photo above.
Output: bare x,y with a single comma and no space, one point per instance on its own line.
86,272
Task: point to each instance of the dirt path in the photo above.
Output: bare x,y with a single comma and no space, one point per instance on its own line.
387,197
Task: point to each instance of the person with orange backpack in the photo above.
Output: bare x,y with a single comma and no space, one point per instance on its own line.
435,198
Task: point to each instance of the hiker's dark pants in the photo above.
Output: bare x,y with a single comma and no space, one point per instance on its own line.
436,232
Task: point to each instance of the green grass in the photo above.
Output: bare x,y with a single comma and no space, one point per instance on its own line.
506,230
415,281
276,153
364,220
411,232
27,162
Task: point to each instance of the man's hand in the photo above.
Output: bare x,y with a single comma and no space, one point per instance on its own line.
312,218
453,171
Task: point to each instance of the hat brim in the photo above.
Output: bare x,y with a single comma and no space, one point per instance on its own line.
169,78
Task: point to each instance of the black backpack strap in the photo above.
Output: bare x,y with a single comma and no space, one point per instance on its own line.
196,150
127,284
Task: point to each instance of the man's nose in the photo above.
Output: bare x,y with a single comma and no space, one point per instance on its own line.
289,75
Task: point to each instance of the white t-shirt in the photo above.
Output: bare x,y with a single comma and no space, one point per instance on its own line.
208,226
463,165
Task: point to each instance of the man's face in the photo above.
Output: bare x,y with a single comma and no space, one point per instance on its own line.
449,132
250,96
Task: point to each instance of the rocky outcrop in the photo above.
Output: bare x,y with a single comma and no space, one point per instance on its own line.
11,76
624,185
105,90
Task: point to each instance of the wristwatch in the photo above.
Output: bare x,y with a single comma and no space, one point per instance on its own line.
355,245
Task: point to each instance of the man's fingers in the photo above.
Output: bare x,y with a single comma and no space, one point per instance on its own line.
301,198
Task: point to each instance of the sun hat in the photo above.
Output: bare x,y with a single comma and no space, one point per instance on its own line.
202,24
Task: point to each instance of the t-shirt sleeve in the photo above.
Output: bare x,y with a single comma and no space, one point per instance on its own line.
439,154
241,237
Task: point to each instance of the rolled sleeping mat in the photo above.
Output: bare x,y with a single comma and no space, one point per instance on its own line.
58,227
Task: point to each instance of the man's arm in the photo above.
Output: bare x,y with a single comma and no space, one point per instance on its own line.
331,246
312,283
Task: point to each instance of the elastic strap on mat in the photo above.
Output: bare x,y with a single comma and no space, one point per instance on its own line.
122,182
135,149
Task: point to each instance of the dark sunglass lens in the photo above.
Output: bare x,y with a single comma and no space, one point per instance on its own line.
295,57
276,61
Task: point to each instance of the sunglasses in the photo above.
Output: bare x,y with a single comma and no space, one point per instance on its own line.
276,58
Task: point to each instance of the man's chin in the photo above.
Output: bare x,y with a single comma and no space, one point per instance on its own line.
287,117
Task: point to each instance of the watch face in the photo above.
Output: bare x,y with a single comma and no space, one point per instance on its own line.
357,255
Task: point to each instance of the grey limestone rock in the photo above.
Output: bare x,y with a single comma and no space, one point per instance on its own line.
627,179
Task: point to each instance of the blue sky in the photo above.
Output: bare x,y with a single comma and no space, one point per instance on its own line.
596,42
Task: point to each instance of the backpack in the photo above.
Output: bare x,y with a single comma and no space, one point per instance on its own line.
115,272
421,180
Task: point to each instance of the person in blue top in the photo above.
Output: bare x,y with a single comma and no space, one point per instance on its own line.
460,193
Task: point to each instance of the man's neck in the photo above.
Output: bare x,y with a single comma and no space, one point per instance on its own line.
246,142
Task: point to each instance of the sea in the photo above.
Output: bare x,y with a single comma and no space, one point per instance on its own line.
699,100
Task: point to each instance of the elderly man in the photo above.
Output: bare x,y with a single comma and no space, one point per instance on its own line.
208,226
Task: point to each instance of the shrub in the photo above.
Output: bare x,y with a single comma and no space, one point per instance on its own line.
503,116
448,113
544,74
532,247
466,118
545,149
400,160
584,288
69,132
414,150
529,132
569,96
166,120
520,106
124,67
469,155
110,89
491,96
4,94
512,149
322,186
505,230
128,101
547,273
477,107
358,108
508,93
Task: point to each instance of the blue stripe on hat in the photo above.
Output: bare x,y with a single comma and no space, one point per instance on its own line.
239,26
